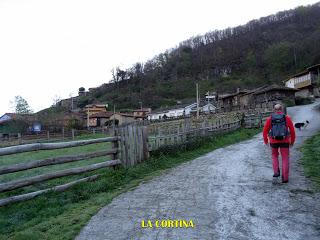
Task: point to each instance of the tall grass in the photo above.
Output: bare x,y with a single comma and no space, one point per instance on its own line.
311,160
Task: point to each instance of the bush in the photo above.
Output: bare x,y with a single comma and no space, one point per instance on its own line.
75,124
303,101
289,102
84,100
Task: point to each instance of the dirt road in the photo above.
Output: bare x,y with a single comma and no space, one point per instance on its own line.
227,194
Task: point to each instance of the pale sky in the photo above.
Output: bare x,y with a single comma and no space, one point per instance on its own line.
51,48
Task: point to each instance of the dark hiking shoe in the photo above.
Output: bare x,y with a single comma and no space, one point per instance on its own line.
277,174
275,179
284,181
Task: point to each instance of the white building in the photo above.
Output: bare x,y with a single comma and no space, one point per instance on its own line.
174,112
307,82
208,108
182,111
300,80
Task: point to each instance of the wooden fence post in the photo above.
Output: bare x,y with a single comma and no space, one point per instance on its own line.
115,145
145,144
48,135
72,132
134,144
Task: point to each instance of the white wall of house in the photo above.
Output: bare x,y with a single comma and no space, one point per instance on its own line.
209,108
189,108
304,79
290,83
176,112
157,116
5,117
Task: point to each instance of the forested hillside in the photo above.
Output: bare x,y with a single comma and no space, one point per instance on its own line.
263,51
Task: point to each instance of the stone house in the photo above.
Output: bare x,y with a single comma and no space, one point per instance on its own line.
307,82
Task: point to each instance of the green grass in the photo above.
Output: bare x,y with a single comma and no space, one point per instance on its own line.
82,136
311,160
38,155
62,215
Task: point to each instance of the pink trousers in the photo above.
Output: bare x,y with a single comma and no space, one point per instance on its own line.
285,161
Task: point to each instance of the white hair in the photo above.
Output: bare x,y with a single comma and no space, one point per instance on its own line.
278,107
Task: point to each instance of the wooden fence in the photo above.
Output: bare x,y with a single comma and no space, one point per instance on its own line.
255,119
187,131
134,144
131,144
16,184
47,136
183,131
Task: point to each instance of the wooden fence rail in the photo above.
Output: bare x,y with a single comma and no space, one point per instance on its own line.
50,146
47,136
59,188
187,130
19,183
53,161
8,186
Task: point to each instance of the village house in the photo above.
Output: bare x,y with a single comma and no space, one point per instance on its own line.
95,108
56,121
307,82
263,97
82,92
92,109
100,119
173,112
267,97
13,124
122,118
231,102
208,108
182,110
141,113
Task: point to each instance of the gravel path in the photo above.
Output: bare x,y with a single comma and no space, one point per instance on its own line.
227,194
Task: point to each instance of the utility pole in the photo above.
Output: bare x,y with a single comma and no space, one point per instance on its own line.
114,122
197,88
88,117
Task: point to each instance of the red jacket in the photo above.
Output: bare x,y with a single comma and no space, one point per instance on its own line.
289,139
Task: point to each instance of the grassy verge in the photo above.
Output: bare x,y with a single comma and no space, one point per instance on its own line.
311,160
62,215
37,155
83,136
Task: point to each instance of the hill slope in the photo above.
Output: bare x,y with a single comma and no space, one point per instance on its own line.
263,51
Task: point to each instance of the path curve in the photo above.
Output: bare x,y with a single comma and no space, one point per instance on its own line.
227,193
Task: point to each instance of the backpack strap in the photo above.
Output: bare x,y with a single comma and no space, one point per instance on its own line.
274,119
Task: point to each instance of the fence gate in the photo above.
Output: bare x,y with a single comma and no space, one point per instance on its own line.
133,144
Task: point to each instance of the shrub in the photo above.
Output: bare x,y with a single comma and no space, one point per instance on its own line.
303,101
289,102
